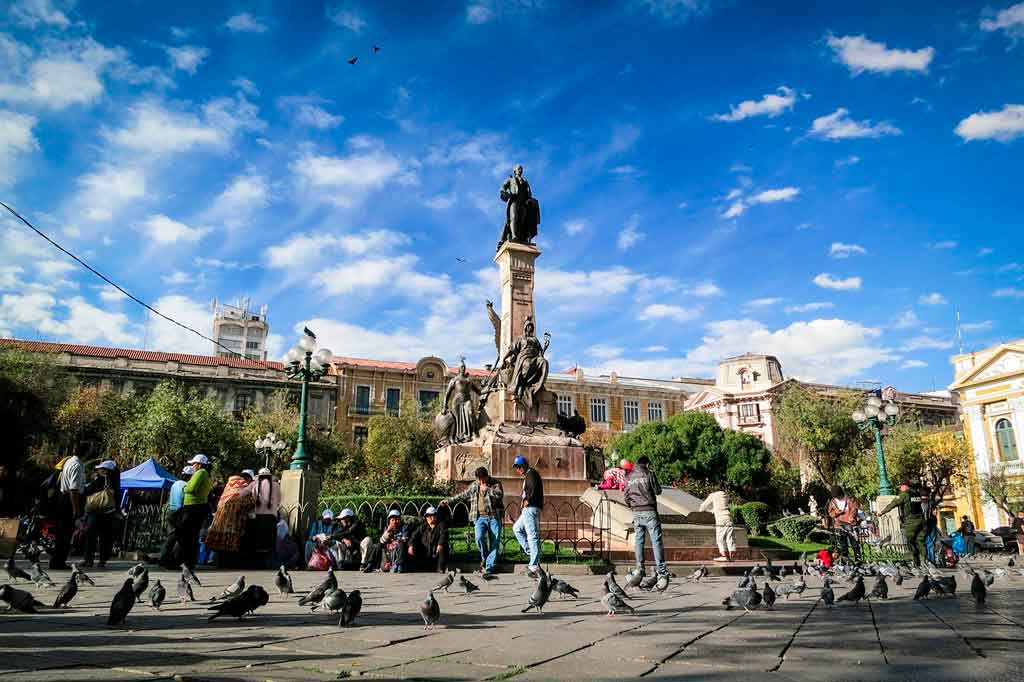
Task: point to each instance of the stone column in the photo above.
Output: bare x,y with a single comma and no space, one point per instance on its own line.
300,491
516,263
982,458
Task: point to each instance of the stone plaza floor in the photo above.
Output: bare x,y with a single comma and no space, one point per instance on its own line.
683,634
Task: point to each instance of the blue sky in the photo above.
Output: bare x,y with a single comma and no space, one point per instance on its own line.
825,184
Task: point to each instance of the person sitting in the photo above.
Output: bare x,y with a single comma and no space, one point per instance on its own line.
390,553
319,532
428,544
349,541
615,477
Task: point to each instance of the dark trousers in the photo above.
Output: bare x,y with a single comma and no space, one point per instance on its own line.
101,531
847,541
65,528
914,527
430,559
191,522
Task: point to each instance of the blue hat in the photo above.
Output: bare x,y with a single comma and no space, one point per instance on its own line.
519,461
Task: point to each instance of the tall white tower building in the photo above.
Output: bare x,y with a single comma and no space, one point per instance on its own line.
241,327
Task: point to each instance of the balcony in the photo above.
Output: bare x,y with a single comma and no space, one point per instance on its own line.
749,419
1010,468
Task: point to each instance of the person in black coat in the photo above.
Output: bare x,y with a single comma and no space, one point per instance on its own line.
428,545
347,540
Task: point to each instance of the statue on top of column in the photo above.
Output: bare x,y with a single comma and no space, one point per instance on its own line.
522,211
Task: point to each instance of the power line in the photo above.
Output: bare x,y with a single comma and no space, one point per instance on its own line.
114,284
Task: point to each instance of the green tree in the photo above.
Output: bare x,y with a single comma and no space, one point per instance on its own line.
747,462
90,421
686,445
32,387
1006,492
280,416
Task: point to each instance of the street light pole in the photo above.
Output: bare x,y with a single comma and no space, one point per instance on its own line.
304,366
876,415
268,445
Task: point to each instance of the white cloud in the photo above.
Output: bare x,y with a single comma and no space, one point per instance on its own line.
1010,267
706,290
317,117
11,277
187,58
934,298
163,230
983,326
110,294
674,11
245,23
985,251
574,227
16,139
605,352
630,235
177,278
397,274
1009,292
32,13
105,191
74,320
305,250
567,285
52,269
244,196
770,105
165,336
926,343
479,13
768,196
246,86
913,364
674,313
944,245
1004,125
906,320
860,54
346,18
762,302
827,281
847,161
841,250
1009,20
348,180
152,128
808,307
735,210
57,83
839,126
655,349
441,202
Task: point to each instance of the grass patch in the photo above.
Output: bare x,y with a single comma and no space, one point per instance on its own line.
782,544
509,674
464,549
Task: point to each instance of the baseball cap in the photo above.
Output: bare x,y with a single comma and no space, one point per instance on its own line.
107,464
519,461
187,471
626,465
249,472
328,514
346,513
431,511
393,513
199,459
264,471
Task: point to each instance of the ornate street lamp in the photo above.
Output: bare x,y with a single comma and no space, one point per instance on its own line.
303,364
876,415
268,445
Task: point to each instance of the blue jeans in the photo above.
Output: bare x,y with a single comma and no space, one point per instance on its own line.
645,522
527,530
488,534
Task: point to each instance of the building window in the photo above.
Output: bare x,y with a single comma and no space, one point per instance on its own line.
599,410
242,403
750,413
655,412
1006,441
565,405
359,435
393,400
252,345
630,413
427,399
362,400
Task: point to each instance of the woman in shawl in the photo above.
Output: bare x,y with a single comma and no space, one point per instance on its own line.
233,509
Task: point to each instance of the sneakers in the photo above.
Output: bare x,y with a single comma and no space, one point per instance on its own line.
720,558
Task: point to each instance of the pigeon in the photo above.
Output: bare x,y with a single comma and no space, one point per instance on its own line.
283,581
923,589
634,577
698,574
157,594
745,597
614,604
235,589
40,577
744,581
80,576
978,589
15,573
467,587
945,585
238,606
333,601
430,610
122,603
317,593
137,570
488,576
19,600
449,579
353,60
613,587
376,49
880,590
662,583
648,583
827,595
563,588
1010,563
543,590
855,594
769,596
190,576
353,605
185,590
140,583
67,593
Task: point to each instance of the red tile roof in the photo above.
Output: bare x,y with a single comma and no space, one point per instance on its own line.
395,364
134,354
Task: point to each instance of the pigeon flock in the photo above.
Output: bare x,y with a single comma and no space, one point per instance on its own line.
842,583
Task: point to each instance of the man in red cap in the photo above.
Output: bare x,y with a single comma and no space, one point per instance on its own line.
642,492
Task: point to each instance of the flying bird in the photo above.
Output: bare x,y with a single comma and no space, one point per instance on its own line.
353,605
19,600
353,60
431,611
137,570
376,49
122,603
67,593
333,601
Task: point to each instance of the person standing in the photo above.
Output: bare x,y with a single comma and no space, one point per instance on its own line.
486,508
912,519
1018,525
967,533
641,495
70,507
842,510
194,510
260,531
718,503
101,509
527,526
176,498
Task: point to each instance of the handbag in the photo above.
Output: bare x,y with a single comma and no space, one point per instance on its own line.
103,501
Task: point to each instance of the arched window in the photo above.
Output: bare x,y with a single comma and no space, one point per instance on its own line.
1006,440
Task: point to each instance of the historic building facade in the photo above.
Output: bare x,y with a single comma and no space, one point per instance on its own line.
990,384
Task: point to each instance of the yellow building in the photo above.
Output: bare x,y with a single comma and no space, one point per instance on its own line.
990,384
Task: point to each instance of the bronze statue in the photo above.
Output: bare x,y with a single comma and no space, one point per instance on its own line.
522,213
573,426
525,369
460,406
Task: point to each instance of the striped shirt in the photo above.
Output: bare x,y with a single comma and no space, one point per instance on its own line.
72,476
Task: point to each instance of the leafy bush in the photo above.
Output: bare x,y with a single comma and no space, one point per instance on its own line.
736,512
795,528
755,516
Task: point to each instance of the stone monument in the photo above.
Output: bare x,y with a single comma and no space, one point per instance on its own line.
511,412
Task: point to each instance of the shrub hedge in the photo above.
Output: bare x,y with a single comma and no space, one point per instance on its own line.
795,528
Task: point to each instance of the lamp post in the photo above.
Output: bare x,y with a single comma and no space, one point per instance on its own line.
268,445
876,415
305,366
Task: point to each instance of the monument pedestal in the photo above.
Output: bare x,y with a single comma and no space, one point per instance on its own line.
300,491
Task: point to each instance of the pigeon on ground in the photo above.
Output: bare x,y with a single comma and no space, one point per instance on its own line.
467,587
827,595
19,600
333,601
238,606
122,603
320,591
15,573
431,611
614,604
157,594
1010,562
769,596
140,583
80,575
543,591
613,587
856,593
945,585
698,574
283,581
662,583
67,593
978,589
923,588
488,576
353,605
449,579
880,590
235,589
40,577
648,583
185,590
563,588
744,580
137,570
796,587
634,578
745,597
190,576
